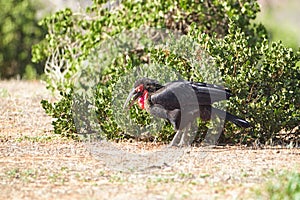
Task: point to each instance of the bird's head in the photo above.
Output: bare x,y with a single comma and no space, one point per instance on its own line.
142,89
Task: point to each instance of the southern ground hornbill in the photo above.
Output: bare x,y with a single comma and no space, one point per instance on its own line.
181,102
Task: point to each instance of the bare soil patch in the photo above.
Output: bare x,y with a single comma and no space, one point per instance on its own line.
36,164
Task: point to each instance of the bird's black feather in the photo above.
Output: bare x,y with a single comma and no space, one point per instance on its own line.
178,94
181,102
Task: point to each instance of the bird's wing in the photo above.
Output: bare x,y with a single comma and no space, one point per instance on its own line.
179,94
209,93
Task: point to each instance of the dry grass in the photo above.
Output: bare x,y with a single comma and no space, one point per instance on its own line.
35,164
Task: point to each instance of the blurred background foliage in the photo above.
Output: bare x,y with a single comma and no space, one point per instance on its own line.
281,18
19,30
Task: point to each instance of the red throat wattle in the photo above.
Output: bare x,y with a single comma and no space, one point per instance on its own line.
142,99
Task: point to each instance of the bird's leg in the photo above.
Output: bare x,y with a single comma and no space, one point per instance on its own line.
186,137
176,138
189,131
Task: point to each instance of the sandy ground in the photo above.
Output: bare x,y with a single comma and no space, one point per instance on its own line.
36,164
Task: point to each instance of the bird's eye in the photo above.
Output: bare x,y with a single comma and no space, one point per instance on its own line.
139,88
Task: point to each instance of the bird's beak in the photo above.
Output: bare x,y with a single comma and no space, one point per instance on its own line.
134,95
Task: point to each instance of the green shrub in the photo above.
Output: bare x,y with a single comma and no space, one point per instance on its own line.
61,111
265,78
93,54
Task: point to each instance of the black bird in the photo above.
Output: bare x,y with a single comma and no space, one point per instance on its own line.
181,102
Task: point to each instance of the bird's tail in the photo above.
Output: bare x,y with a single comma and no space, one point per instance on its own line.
237,121
234,119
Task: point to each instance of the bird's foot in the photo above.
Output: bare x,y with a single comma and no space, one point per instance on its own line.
186,138
182,138
182,143
176,139
173,144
